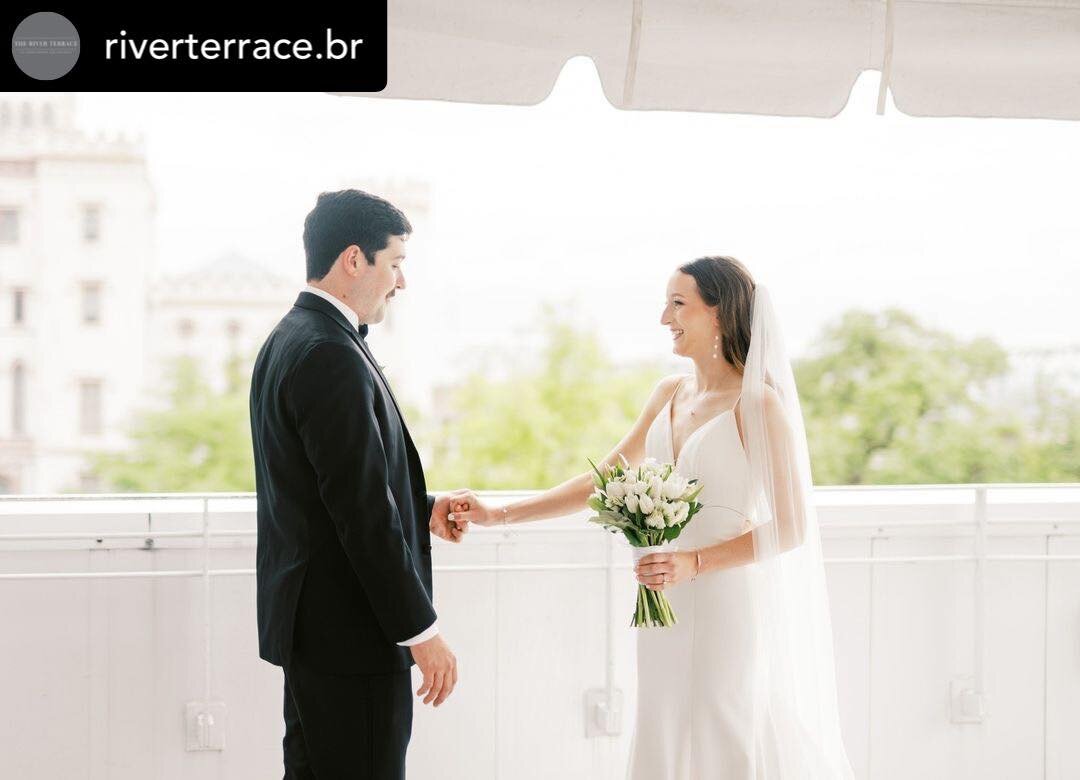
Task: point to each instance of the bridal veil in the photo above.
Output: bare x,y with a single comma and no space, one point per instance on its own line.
793,607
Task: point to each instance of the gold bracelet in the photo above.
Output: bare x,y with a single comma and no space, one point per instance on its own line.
697,567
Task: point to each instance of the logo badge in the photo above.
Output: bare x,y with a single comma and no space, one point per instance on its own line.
45,46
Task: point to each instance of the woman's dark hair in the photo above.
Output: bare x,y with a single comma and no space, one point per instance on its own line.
348,217
724,282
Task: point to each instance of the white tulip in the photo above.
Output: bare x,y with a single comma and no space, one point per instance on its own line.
632,502
650,488
655,520
615,490
646,505
674,487
681,511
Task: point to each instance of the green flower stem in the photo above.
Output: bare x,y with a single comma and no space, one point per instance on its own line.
657,610
661,606
660,612
668,610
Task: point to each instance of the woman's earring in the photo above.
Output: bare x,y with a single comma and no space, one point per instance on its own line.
716,347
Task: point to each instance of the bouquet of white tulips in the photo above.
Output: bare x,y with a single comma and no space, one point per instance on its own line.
649,505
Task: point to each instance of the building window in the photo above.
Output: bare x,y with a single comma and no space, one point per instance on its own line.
186,328
90,407
18,399
91,303
91,222
9,226
18,306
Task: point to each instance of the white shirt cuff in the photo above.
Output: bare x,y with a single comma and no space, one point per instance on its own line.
423,636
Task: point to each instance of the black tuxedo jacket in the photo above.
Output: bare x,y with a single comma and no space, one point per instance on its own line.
343,556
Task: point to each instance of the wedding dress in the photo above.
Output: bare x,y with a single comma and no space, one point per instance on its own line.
742,688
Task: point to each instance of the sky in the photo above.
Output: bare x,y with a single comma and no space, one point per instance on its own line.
968,223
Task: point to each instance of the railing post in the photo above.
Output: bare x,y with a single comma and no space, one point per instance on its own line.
207,648
603,706
968,699
870,658
496,736
980,593
205,726
609,610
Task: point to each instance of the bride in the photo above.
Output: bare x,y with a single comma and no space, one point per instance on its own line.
743,687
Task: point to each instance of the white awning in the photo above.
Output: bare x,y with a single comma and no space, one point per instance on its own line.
995,58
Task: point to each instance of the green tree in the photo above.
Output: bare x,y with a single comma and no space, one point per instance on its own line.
886,401
201,443
889,401
536,427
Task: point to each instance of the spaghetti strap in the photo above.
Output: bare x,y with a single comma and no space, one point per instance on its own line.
738,420
677,386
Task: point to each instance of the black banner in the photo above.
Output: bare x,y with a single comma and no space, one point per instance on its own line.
340,48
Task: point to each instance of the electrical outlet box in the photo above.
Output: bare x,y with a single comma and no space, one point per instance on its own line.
603,715
205,725
967,705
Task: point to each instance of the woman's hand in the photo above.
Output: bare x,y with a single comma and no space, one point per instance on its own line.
468,508
662,570
440,523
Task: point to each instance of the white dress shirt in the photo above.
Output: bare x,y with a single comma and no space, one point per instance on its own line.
339,304
354,319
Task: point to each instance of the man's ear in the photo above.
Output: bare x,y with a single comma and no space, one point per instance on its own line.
352,258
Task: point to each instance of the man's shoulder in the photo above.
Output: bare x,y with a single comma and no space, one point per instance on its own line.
306,328
297,337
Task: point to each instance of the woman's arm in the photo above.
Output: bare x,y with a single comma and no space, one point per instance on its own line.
571,495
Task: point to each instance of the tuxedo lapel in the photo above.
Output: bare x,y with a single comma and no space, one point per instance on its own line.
315,303
375,364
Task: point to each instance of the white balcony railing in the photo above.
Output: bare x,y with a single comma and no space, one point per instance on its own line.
129,649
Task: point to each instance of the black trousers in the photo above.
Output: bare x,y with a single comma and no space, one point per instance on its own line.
346,726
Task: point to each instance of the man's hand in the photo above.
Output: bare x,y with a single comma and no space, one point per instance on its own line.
468,508
440,524
439,667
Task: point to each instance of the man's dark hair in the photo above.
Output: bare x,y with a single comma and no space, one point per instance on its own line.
348,217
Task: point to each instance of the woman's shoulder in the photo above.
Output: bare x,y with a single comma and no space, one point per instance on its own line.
664,390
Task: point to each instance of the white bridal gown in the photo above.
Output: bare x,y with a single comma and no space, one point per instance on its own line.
702,687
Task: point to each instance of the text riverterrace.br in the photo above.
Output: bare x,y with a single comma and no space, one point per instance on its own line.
192,48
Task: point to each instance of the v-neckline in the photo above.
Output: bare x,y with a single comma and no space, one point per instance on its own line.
693,433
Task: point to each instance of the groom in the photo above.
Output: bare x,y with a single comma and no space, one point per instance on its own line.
343,567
